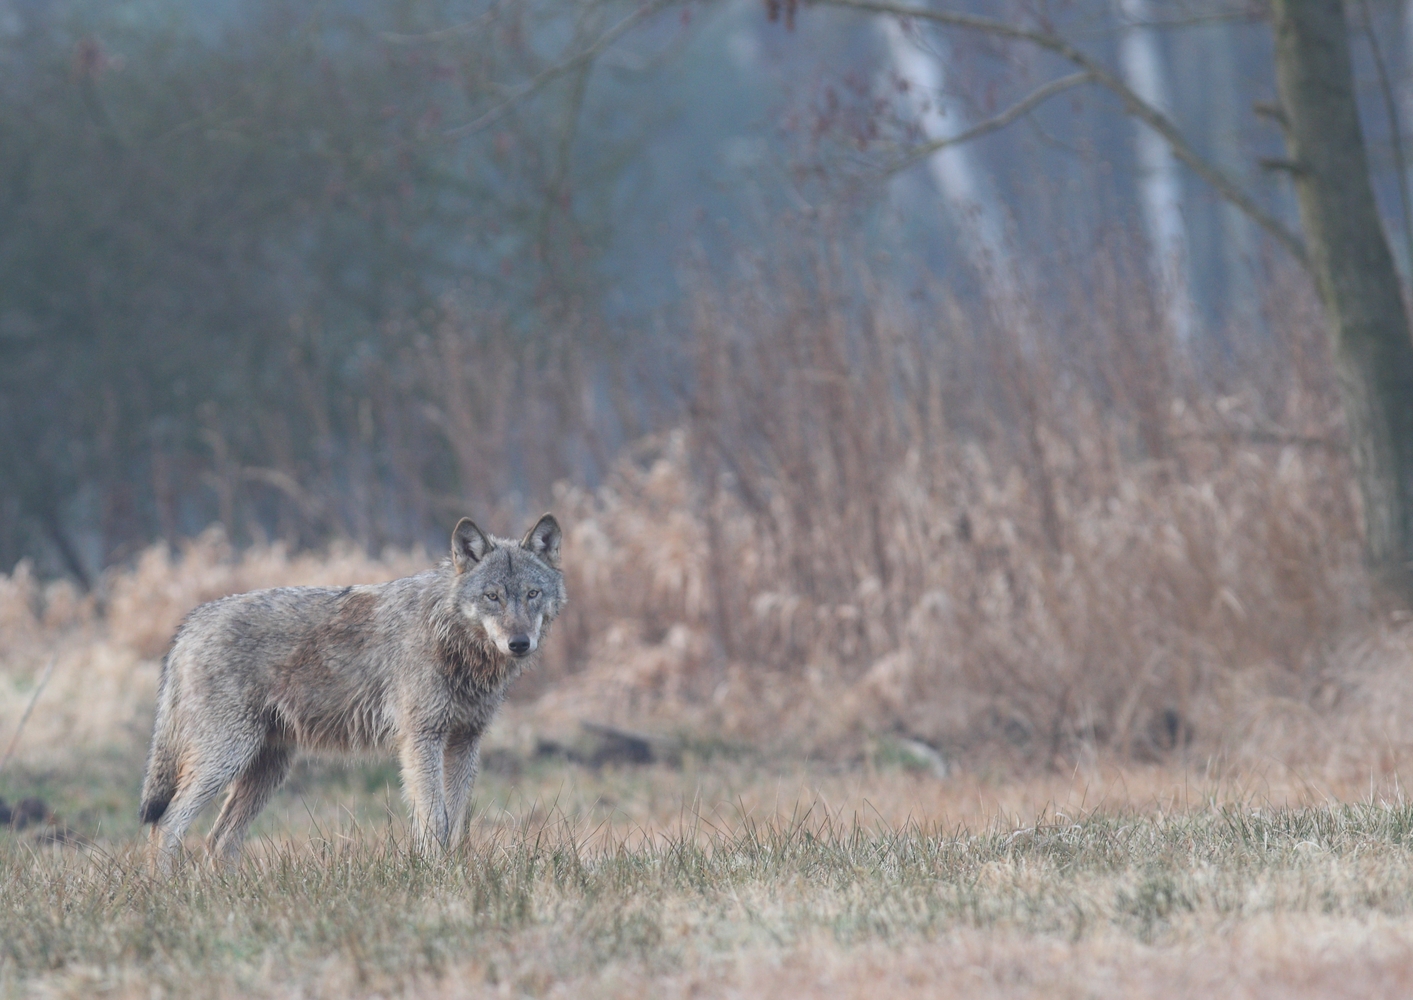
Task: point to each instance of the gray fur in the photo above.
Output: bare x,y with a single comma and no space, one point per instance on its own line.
418,665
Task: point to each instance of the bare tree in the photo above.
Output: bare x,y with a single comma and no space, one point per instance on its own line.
1343,245
1352,265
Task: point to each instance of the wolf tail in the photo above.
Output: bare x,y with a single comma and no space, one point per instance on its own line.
163,759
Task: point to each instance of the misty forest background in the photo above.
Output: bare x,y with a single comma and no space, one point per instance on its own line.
1035,439
251,275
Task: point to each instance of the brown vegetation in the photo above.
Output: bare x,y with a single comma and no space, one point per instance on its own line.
1035,543
1025,545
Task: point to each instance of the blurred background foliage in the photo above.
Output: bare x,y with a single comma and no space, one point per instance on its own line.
333,269
840,448
233,249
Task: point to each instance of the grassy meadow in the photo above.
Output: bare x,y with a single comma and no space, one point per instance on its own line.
727,876
723,869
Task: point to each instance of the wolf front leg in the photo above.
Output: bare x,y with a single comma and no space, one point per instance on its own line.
463,756
423,783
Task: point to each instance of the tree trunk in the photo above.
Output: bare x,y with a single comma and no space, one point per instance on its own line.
1353,266
1209,54
972,200
1159,185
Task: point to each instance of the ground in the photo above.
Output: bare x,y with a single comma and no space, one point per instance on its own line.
724,872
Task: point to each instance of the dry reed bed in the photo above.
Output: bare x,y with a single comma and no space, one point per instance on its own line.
1029,545
1033,546
1220,619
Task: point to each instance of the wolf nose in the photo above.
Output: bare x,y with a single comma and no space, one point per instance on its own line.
520,644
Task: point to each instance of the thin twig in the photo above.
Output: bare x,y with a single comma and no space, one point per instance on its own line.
442,34
1021,108
554,72
1265,437
1193,21
1136,106
38,690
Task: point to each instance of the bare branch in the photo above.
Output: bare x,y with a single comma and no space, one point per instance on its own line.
1191,21
309,505
443,34
1200,20
1273,111
1281,165
1136,106
559,69
1017,110
19,729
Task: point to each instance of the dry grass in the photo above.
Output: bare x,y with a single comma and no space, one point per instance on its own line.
108,650
1268,902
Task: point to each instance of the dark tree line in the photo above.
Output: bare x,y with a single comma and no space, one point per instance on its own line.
232,262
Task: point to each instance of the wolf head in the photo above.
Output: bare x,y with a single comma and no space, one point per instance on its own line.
510,591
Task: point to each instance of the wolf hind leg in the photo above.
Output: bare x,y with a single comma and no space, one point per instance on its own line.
251,791
208,768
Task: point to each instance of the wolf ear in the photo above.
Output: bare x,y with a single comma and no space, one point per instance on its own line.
543,539
469,545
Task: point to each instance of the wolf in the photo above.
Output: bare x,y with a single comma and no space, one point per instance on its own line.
417,665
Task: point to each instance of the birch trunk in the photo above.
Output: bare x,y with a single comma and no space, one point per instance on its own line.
1353,267
954,172
1215,49
1159,185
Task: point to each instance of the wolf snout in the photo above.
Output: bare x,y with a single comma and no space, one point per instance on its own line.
519,644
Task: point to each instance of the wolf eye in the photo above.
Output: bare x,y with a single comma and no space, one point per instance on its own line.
530,595
492,596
